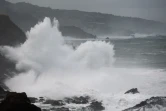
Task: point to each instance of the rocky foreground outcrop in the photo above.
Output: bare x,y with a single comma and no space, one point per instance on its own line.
152,104
17,102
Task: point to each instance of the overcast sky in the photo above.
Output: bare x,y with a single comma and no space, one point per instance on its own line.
149,9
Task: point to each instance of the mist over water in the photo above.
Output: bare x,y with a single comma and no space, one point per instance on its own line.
53,69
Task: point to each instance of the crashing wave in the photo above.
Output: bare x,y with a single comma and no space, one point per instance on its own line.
50,68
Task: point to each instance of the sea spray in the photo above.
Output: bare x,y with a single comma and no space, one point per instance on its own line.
49,64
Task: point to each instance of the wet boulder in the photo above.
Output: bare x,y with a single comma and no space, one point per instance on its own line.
78,100
17,102
41,99
96,106
80,103
54,102
60,109
132,91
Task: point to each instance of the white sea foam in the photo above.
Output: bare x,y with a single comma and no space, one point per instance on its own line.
55,70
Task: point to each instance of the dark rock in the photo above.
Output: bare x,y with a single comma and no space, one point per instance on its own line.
54,102
33,100
60,105
60,109
45,109
132,91
107,38
157,103
96,106
41,99
17,102
76,32
16,98
2,93
78,100
2,90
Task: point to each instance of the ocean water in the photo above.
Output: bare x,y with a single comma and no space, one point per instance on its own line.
50,67
143,52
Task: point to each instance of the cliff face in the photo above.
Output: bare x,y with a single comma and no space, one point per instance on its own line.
2,2
10,35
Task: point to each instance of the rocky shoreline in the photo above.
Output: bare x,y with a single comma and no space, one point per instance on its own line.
12,101
84,103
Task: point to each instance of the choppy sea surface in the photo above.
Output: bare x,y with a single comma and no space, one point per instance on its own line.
143,56
147,52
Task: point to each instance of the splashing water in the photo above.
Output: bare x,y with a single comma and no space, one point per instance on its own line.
53,69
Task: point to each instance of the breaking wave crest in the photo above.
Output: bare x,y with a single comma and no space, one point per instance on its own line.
48,63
